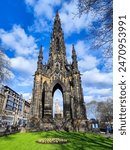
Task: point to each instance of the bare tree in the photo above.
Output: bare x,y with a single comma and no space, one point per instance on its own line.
102,29
5,72
105,110
91,108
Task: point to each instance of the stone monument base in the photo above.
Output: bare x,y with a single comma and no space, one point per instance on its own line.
48,124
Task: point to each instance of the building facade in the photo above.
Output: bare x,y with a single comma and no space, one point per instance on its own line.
57,74
12,107
26,112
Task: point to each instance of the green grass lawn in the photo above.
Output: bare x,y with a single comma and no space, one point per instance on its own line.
78,141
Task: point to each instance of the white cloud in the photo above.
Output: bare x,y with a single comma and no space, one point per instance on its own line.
98,98
30,2
19,41
97,78
85,61
88,62
43,7
70,20
27,96
98,91
24,81
39,25
81,48
88,99
23,64
24,47
45,10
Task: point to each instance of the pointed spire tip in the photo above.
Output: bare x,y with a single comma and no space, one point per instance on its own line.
40,51
73,48
57,11
57,15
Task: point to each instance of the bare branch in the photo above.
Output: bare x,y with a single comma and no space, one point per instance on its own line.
5,73
101,35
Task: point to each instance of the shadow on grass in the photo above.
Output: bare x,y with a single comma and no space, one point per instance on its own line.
80,141
7,137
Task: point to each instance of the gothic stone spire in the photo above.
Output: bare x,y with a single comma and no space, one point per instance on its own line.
57,37
39,62
57,25
74,59
57,45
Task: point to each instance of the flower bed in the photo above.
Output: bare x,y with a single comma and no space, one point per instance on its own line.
52,141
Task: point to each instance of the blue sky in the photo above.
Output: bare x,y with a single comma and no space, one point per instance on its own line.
27,24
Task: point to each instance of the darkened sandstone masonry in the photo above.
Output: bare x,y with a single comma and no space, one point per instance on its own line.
57,74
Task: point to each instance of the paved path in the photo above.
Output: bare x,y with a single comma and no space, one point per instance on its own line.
107,135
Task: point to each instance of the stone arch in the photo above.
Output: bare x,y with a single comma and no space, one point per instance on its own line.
60,83
57,84
56,87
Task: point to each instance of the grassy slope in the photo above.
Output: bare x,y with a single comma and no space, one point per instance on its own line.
79,141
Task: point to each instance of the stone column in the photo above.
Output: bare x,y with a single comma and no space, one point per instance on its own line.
67,105
48,105
72,106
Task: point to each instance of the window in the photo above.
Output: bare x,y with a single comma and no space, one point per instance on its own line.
10,103
9,107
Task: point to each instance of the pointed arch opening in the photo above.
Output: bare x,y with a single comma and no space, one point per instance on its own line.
57,95
43,98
